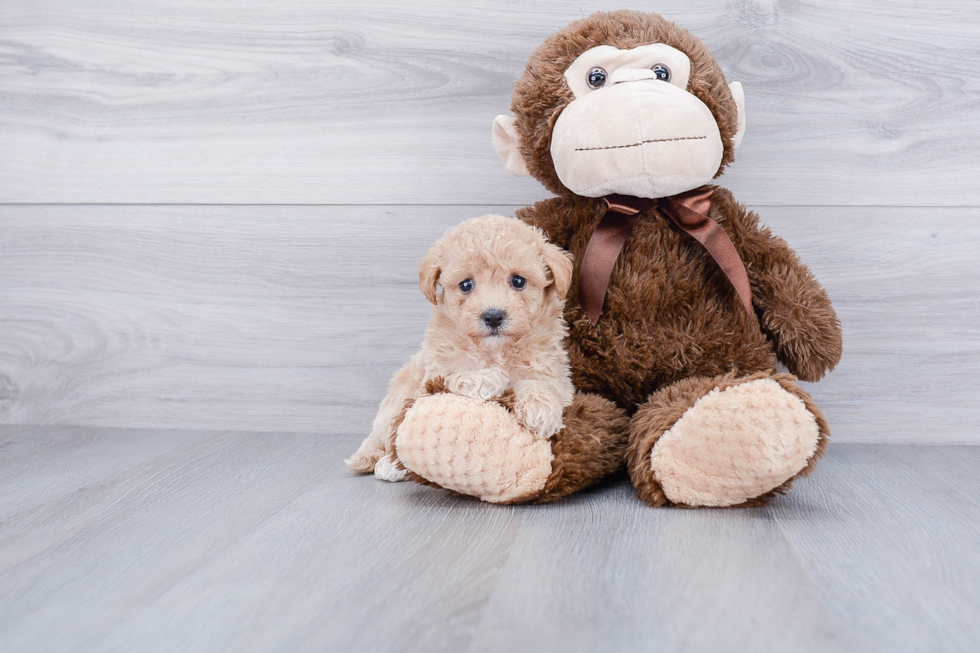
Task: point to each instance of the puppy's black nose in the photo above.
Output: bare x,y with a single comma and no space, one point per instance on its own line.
493,317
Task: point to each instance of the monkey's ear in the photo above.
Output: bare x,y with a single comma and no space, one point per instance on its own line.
505,141
429,274
559,262
739,96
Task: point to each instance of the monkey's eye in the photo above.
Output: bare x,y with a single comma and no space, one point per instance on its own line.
662,72
518,282
465,286
597,77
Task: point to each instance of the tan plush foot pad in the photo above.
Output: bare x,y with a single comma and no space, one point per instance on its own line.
473,447
734,445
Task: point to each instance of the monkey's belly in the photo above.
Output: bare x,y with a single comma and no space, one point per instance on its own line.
627,361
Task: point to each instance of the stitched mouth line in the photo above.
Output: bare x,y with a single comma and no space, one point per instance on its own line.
652,140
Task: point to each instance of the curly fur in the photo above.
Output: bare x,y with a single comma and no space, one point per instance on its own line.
524,359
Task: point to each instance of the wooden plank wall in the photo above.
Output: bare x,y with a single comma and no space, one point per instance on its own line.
210,212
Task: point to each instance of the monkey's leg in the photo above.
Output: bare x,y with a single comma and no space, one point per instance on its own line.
724,441
479,449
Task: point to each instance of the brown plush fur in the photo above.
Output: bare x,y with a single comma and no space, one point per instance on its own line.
671,313
672,323
592,445
542,92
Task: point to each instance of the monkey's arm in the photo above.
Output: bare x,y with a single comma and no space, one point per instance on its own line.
795,309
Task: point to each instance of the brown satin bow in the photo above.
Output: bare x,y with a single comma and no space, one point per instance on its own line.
689,211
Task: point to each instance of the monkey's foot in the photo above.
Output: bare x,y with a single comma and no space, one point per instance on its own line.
724,441
473,447
478,448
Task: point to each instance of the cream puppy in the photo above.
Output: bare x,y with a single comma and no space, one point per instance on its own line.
498,288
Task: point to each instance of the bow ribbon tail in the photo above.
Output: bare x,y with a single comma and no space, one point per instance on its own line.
600,258
689,211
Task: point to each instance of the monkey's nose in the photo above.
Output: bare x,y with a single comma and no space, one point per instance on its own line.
624,74
493,317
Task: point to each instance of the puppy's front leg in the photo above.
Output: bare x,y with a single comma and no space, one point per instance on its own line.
376,453
483,384
538,405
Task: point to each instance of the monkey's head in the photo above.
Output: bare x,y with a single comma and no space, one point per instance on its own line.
622,102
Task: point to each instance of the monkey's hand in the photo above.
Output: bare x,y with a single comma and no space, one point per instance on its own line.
794,309
807,341
538,406
483,384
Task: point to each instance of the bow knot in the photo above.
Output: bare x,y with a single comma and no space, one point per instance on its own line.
689,211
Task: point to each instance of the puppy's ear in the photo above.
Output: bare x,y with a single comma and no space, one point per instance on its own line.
429,273
559,263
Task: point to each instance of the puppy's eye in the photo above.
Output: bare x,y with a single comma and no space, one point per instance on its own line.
465,285
597,77
518,282
662,72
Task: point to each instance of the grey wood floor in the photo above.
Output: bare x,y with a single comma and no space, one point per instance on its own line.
150,540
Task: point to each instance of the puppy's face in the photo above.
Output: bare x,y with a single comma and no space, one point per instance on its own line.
494,297
498,276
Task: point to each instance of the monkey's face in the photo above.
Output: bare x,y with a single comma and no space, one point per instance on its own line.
621,102
633,128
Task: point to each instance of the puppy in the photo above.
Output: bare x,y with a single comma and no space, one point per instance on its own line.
498,288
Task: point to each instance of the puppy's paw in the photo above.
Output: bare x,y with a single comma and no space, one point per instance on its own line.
390,469
540,412
366,456
480,384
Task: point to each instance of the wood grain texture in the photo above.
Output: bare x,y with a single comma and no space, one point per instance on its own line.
601,571
242,101
265,542
294,318
851,528
40,465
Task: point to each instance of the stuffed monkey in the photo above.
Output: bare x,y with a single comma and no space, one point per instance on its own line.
681,303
